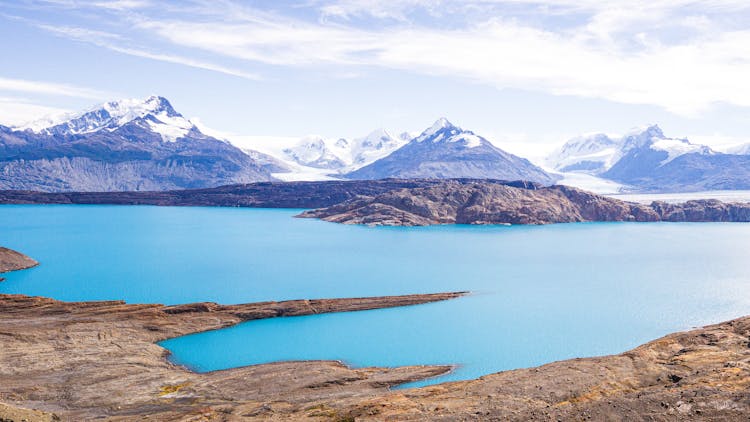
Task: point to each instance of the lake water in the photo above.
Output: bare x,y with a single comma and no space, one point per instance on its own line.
540,293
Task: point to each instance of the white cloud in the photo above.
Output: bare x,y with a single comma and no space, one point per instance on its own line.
682,55
50,88
683,78
123,4
17,111
113,42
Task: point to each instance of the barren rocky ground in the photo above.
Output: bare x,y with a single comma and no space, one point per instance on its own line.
99,360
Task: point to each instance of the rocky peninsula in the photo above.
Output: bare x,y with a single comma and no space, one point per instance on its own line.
89,360
11,260
488,202
100,360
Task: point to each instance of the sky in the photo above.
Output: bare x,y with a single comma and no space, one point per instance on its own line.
526,74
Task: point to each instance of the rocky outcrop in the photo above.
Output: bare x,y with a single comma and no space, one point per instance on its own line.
90,360
482,202
703,211
11,260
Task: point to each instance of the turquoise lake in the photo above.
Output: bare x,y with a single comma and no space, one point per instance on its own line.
539,293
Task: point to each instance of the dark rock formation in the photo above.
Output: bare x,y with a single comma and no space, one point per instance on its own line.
703,210
259,195
480,202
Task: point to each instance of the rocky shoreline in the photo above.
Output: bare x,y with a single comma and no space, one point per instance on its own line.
86,360
486,202
100,360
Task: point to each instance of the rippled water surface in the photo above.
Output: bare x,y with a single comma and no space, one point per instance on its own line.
540,293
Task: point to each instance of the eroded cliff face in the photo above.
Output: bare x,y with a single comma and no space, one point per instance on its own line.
461,202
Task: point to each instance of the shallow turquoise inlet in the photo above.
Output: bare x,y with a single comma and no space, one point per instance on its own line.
540,293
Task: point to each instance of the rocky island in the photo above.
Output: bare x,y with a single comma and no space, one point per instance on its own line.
489,202
100,360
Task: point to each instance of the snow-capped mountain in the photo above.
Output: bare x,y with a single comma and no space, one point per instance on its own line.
646,159
740,150
447,151
122,145
597,153
315,152
591,154
154,113
343,154
316,157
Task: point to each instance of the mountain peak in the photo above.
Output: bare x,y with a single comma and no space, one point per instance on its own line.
441,125
377,134
157,103
124,111
648,131
156,110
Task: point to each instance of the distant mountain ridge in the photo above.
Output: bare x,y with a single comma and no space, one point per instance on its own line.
342,155
446,151
145,144
122,145
648,160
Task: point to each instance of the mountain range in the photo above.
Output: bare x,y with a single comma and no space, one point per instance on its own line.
122,145
647,160
138,145
446,151
342,155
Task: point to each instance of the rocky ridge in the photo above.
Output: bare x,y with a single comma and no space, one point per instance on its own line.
482,202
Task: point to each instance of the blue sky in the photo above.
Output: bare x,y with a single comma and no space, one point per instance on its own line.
526,74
